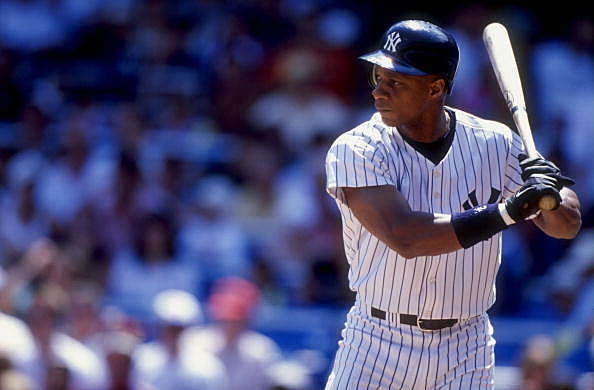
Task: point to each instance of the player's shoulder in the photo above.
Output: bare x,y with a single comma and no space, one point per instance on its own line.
473,123
369,133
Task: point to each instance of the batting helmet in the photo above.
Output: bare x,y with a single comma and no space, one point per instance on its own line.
417,48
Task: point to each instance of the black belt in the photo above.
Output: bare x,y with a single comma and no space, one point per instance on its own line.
411,319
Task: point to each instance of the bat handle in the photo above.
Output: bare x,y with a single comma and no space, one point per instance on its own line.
547,202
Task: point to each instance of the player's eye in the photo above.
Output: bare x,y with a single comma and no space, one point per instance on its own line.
388,82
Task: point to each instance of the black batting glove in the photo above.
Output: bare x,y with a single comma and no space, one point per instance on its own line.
524,203
535,167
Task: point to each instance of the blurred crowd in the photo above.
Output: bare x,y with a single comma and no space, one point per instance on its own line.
162,175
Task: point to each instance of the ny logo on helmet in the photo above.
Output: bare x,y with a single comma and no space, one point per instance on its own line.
393,39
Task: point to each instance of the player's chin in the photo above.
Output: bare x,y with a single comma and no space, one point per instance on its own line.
389,119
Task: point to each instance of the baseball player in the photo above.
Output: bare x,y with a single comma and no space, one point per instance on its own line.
424,191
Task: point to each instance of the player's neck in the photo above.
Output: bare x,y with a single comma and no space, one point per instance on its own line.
428,128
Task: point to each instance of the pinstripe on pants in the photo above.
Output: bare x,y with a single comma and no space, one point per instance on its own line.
376,355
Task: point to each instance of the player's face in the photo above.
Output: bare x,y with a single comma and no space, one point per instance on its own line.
400,98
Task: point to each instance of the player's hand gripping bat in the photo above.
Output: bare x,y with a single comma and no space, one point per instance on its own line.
506,71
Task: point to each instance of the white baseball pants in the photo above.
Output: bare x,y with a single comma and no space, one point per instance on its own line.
374,354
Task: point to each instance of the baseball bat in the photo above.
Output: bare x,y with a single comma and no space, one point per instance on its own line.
504,64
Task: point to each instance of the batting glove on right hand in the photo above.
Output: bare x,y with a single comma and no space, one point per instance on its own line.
535,167
524,203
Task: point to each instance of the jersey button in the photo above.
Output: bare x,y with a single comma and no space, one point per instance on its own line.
436,195
432,279
437,173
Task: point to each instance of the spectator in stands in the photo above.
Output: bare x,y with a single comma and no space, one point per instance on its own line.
120,206
60,361
76,169
538,363
571,287
33,141
58,376
85,322
570,276
264,205
11,379
539,366
564,103
290,375
21,223
17,348
43,262
235,47
165,363
131,125
118,350
211,236
150,266
245,353
298,110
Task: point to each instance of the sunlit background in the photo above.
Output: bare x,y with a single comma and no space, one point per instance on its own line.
151,149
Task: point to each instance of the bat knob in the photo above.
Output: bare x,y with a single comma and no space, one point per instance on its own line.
548,202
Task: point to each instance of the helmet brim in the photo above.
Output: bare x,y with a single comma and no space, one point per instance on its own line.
381,59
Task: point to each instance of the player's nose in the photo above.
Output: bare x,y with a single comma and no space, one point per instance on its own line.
379,91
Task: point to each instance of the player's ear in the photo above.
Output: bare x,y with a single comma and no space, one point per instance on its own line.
437,88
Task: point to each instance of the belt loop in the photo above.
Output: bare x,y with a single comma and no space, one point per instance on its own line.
421,327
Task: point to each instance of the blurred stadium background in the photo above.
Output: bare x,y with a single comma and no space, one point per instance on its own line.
155,145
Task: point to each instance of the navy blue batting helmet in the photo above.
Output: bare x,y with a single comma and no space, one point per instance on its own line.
417,48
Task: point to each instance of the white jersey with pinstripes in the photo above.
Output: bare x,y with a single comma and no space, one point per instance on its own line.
480,167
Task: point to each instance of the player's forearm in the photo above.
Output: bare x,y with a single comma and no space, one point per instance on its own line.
564,222
423,234
443,233
386,215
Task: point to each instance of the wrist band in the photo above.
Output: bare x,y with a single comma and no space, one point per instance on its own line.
478,224
505,215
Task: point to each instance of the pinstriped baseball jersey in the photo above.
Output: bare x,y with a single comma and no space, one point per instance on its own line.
480,167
